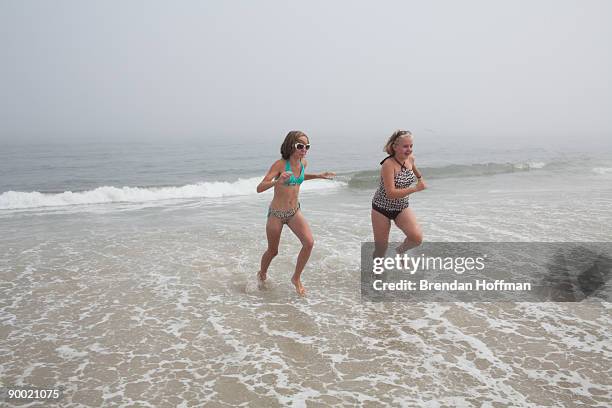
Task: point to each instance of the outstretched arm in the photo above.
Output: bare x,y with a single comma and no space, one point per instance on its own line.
325,175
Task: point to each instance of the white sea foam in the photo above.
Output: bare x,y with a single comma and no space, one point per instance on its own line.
537,165
108,194
254,285
68,352
602,170
529,165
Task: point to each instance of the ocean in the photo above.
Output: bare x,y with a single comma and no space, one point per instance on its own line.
124,268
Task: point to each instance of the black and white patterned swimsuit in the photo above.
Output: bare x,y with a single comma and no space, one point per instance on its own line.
391,207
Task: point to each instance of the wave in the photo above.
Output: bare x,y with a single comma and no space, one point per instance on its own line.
371,178
15,200
12,200
603,170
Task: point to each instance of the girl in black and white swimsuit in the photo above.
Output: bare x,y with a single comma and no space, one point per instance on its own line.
399,178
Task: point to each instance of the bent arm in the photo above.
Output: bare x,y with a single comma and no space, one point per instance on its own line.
268,180
416,171
389,182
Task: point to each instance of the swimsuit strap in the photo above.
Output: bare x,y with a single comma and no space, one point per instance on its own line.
301,178
398,162
401,164
388,157
291,179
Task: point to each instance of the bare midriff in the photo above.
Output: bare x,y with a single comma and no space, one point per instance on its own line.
285,197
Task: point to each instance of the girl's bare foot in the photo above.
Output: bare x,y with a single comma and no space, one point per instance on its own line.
261,280
299,288
402,248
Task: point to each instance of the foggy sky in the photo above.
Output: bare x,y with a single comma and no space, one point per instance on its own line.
145,70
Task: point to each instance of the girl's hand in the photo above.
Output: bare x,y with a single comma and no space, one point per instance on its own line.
420,185
327,175
284,177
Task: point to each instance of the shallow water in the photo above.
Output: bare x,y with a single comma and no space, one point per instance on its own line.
145,303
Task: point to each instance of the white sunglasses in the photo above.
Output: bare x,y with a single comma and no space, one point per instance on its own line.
301,146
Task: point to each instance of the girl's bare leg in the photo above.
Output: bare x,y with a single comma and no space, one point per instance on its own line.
407,222
274,227
300,228
381,226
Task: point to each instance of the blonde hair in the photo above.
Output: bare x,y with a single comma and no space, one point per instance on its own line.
394,139
288,146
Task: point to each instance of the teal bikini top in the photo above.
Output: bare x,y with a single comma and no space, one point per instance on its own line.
292,181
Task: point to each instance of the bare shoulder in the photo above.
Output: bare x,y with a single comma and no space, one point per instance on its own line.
276,167
388,164
305,162
388,167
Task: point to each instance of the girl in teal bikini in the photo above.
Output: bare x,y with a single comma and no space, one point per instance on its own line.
285,206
